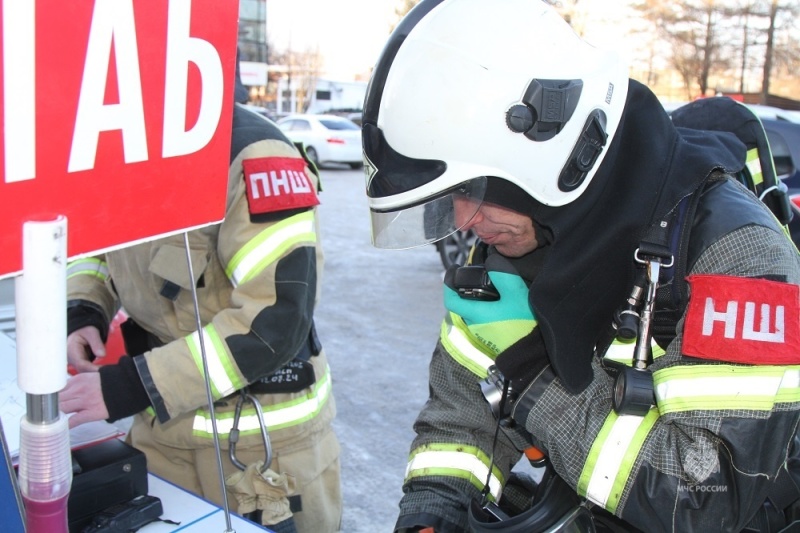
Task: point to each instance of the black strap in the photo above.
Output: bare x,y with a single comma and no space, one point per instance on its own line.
660,241
673,293
657,242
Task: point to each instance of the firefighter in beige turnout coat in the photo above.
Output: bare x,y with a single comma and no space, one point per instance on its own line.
257,277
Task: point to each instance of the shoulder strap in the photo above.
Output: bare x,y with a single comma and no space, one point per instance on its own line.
673,292
660,243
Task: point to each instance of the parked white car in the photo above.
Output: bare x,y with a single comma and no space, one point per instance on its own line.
327,138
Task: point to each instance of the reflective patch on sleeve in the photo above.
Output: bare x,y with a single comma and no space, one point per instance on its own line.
458,461
742,320
277,184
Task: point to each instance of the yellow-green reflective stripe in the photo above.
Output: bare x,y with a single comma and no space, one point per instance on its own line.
658,351
267,246
455,460
88,267
463,349
723,387
277,416
612,456
621,351
754,166
222,373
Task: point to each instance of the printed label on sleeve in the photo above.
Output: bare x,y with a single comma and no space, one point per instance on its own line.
743,320
276,184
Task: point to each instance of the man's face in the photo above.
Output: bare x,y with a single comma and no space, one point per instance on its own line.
509,231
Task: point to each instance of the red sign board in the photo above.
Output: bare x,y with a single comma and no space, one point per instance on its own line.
117,115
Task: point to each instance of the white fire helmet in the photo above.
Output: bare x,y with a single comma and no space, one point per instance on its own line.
465,90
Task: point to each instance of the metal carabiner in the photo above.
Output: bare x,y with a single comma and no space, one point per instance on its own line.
233,436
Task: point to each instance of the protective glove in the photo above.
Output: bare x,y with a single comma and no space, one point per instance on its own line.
493,302
256,489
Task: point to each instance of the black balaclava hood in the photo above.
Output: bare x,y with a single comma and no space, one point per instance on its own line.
650,166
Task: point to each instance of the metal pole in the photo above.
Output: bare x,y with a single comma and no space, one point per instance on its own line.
209,396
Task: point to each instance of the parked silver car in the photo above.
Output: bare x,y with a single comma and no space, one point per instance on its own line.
327,138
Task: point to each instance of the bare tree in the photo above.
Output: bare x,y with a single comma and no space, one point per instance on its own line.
768,28
691,28
301,70
745,14
786,54
727,39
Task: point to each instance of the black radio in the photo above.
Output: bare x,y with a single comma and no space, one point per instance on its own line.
126,517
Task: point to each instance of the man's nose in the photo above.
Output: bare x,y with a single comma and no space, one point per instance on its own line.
467,218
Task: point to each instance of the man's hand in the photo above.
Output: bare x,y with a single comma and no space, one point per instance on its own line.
500,322
82,346
84,397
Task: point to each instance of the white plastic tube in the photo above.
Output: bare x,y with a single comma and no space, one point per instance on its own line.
41,307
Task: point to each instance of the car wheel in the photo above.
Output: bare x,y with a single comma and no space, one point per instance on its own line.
313,155
356,166
454,249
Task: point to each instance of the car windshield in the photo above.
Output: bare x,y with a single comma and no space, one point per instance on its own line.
332,124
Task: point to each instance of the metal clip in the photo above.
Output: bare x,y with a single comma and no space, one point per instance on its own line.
642,352
498,394
233,436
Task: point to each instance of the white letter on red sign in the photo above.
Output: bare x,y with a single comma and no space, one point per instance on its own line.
112,22
727,317
764,333
19,88
182,49
259,183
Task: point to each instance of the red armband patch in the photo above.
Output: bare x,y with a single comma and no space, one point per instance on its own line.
276,184
742,320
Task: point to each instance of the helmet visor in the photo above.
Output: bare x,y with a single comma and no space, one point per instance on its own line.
427,221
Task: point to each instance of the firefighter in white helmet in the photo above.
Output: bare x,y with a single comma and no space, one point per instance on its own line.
590,207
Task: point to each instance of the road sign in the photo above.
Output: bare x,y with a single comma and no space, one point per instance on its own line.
117,115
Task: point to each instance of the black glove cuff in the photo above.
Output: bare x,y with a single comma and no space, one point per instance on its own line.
527,400
521,362
123,391
418,521
82,313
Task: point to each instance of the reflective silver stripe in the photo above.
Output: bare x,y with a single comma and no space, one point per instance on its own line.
222,371
723,387
277,416
266,247
463,350
448,461
89,266
611,459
